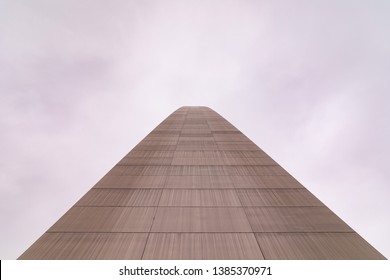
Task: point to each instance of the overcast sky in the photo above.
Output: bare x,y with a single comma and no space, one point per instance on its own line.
83,81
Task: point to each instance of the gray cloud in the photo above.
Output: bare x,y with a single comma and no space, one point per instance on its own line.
78,76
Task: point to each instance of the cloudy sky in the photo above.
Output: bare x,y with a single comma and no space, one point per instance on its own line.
83,81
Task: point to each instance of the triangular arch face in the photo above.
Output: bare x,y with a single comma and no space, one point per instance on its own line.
197,188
